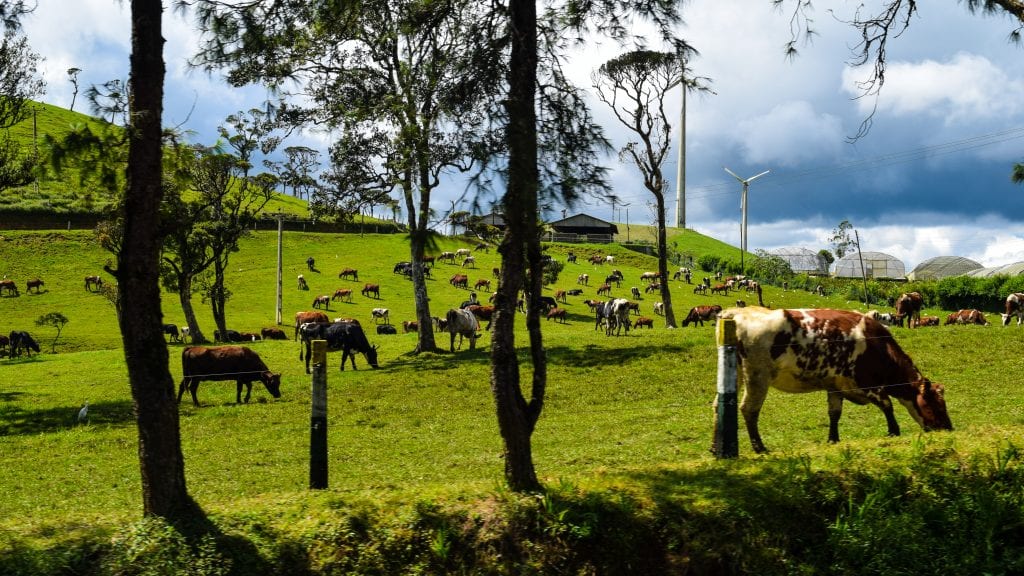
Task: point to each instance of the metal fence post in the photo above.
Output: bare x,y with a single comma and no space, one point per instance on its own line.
726,443
318,418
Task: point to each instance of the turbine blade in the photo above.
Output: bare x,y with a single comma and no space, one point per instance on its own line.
752,178
733,174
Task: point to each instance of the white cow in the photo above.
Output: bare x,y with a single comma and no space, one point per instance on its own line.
381,313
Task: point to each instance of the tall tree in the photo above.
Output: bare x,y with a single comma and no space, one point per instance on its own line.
634,86
247,132
840,239
73,77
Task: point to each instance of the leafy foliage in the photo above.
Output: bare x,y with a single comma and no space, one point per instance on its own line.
19,78
55,320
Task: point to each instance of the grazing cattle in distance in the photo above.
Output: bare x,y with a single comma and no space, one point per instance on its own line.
410,326
322,300
227,336
596,259
386,329
348,337
644,321
583,279
482,283
558,314
720,289
34,283
305,317
649,276
653,287
349,273
172,331
344,294
605,289
469,261
482,313
93,283
928,321
496,273
574,292
302,283
8,285
546,303
460,281
463,253
593,304
465,324
311,264
609,259
570,258
844,353
615,278
968,316
561,296
634,307
21,340
371,289
447,257
381,314
236,363
483,246
700,314
427,261
186,335
273,334
700,289
908,308
635,292
614,315
659,308
402,268
1014,307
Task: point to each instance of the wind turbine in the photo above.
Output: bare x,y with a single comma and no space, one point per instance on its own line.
743,209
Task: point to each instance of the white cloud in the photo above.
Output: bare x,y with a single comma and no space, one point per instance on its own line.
790,133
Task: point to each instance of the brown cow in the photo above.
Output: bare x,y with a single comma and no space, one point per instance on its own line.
273,334
604,289
483,313
644,321
482,283
311,316
561,296
558,314
8,285
460,281
344,294
908,307
349,273
928,321
236,363
700,314
92,282
844,353
410,326
968,316
322,300
34,283
371,289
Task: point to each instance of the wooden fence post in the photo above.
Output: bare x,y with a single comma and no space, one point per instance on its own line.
318,418
726,443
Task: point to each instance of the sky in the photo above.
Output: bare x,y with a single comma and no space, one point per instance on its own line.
931,178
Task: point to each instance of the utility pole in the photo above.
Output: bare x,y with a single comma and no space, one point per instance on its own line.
280,263
863,272
681,160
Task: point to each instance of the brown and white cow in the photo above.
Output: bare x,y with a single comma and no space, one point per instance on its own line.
700,314
236,363
908,308
309,316
968,316
1014,307
844,353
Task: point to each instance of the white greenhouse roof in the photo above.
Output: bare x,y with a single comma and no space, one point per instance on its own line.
876,265
802,259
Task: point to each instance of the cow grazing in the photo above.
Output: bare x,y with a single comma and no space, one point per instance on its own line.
186,335
570,258
345,336
700,314
5,343
644,321
463,323
635,292
343,294
447,257
482,313
496,273
463,253
302,283
171,330
322,301
649,276
8,285
371,289
21,340
968,316
440,324
700,289
236,363
583,279
614,315
596,259
908,308
613,279
604,289
34,283
305,317
386,329
561,296
349,273
93,283
482,246
653,287
410,326
482,283
459,281
720,289
844,353
659,308
546,303
558,314
273,334
381,314
469,261
1014,307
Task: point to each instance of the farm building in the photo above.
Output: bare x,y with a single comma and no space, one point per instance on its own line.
802,260
941,267
1015,269
876,265
582,228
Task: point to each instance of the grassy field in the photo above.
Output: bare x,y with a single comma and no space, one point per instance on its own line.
621,411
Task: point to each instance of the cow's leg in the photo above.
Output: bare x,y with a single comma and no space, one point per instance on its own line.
754,392
885,405
453,342
192,387
181,388
835,410
344,356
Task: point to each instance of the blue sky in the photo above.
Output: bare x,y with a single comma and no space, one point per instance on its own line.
930,179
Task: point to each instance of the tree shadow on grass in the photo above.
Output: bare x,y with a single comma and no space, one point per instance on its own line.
16,420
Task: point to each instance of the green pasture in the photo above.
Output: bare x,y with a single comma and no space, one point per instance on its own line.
619,410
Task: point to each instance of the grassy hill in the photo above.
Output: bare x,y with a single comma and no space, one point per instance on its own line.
414,448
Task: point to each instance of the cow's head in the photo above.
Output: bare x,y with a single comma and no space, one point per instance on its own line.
931,405
1006,318
273,383
371,357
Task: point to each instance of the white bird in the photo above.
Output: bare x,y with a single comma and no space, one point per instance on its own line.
83,414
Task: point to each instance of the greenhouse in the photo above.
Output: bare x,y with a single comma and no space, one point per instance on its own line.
802,260
876,265
942,267
1015,269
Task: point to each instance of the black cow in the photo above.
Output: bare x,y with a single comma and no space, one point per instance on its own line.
21,340
229,336
172,331
385,329
345,336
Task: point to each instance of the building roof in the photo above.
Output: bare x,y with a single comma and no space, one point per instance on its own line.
583,221
876,264
941,267
802,259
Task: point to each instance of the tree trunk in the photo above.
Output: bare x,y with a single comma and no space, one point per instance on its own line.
516,416
425,334
666,296
185,298
218,298
153,396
